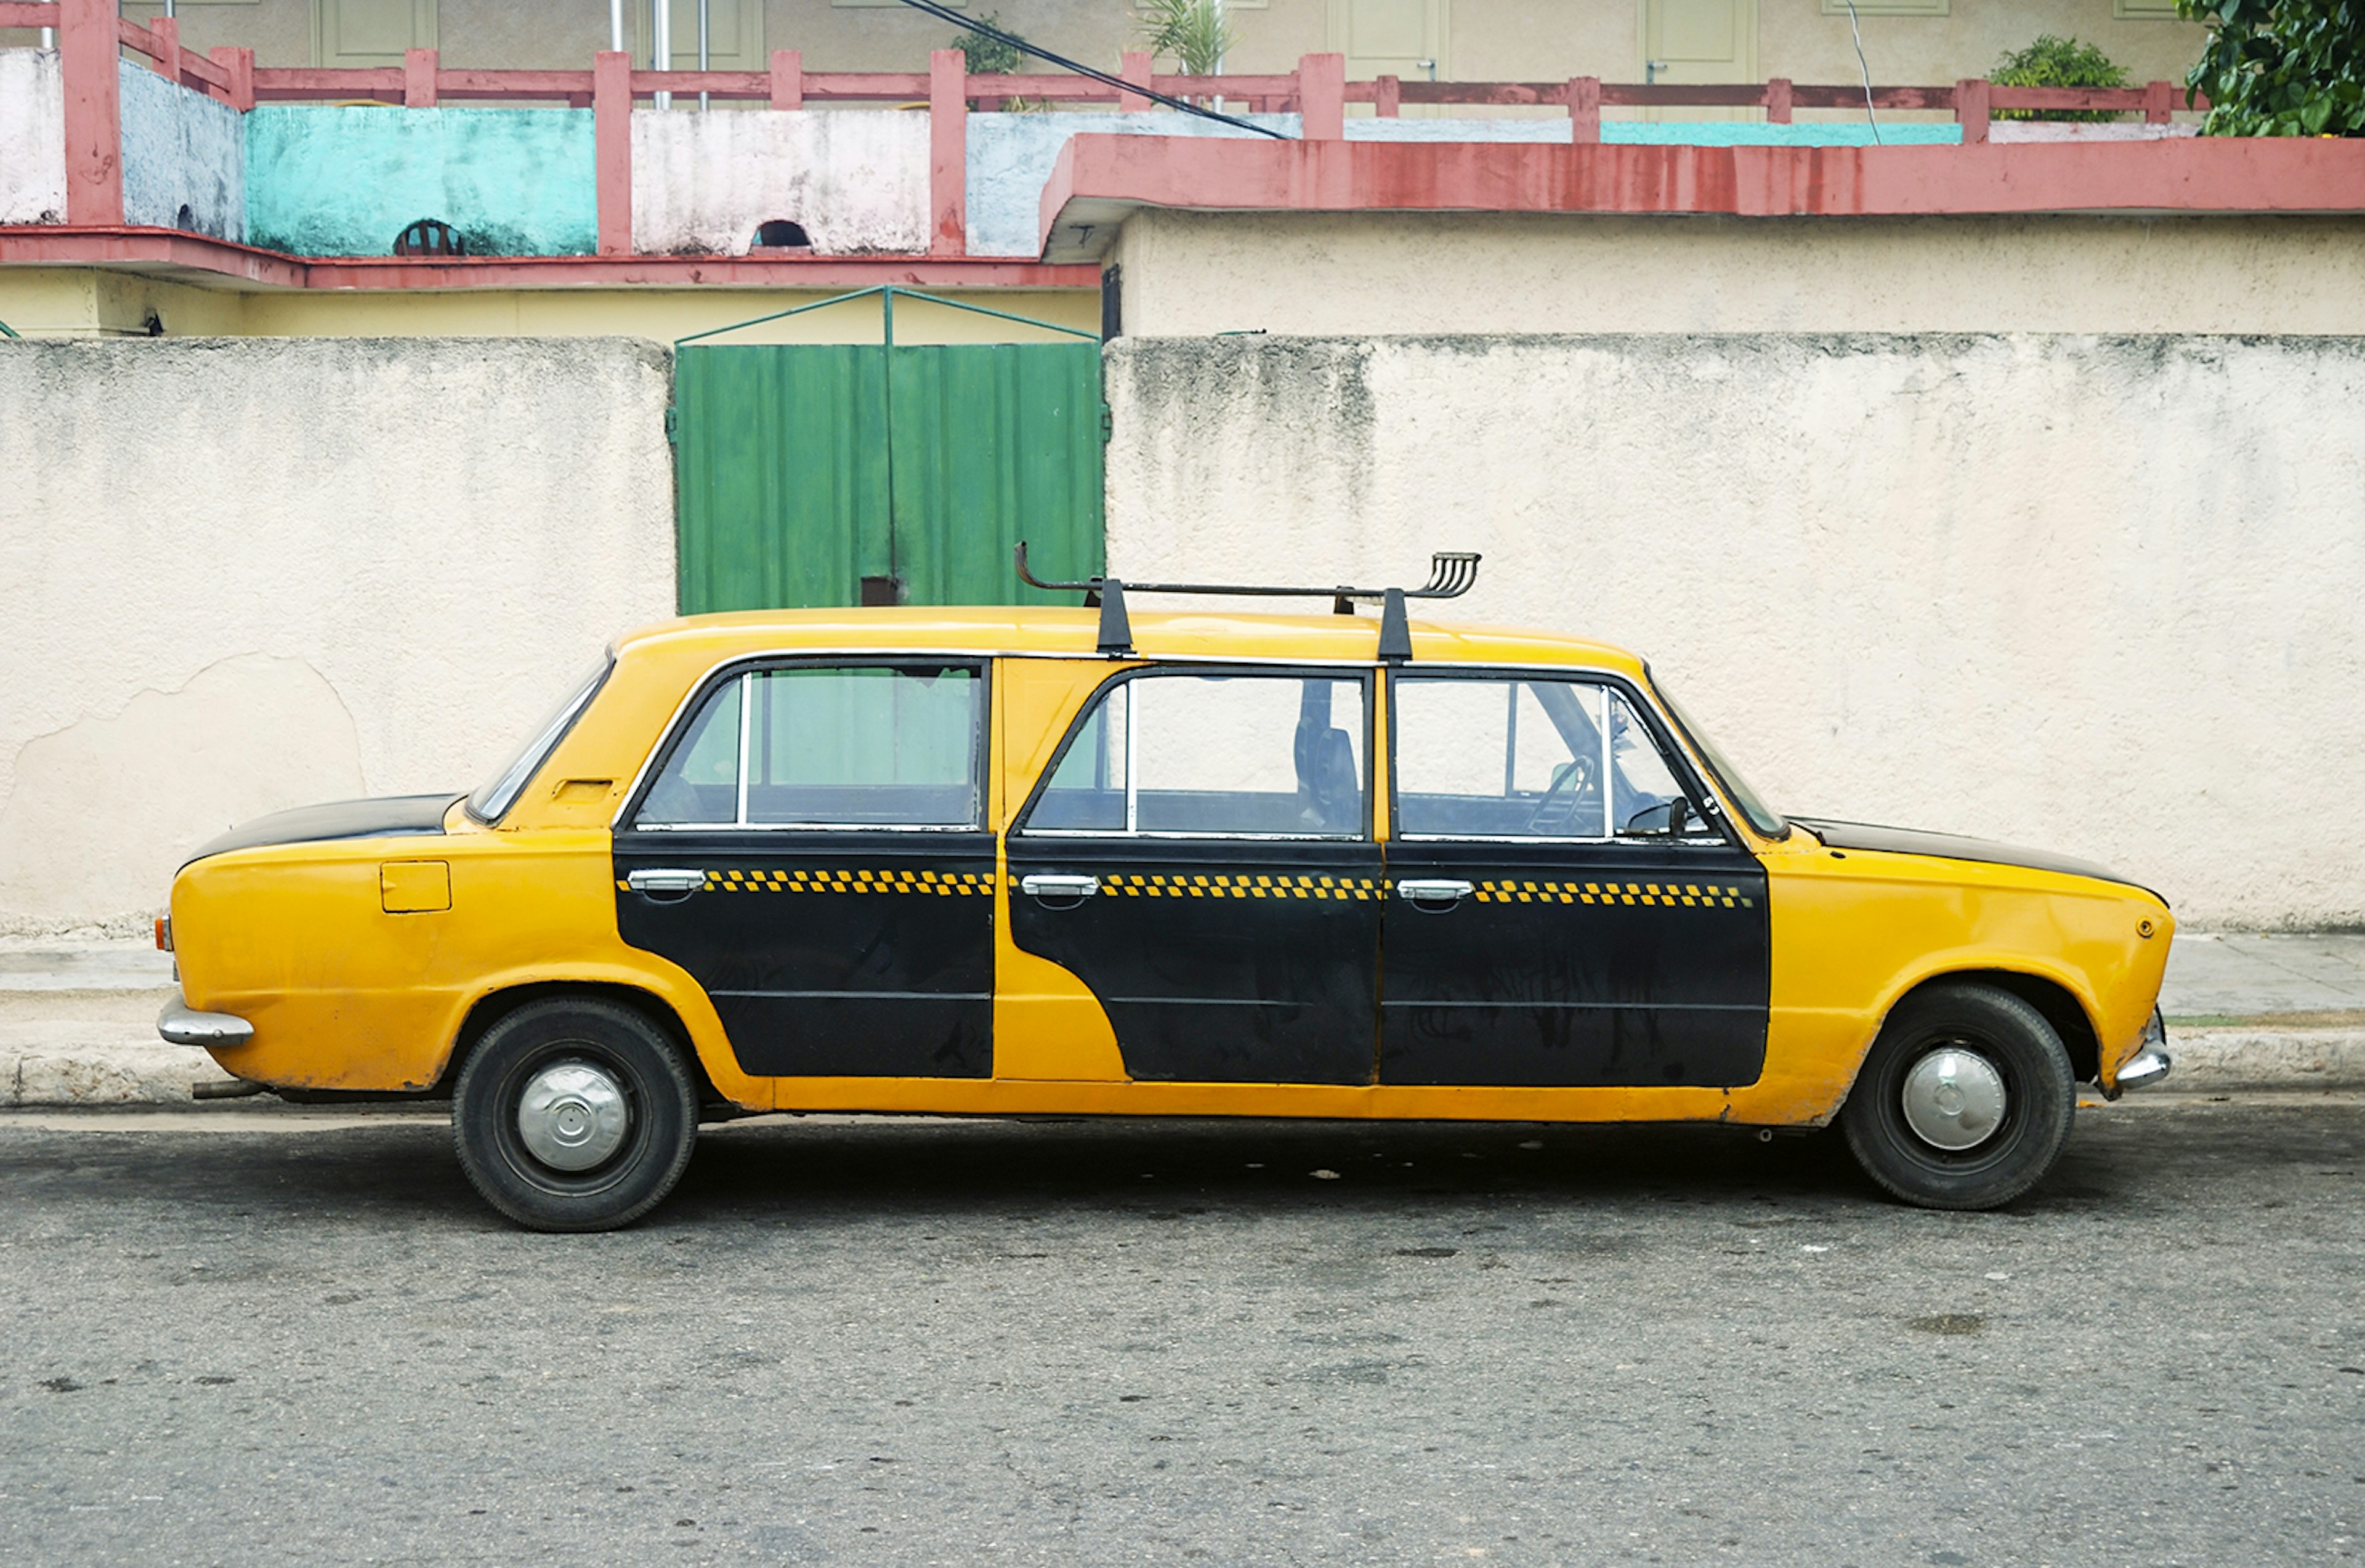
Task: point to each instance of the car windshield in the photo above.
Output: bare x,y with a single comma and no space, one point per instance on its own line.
1762,817
496,795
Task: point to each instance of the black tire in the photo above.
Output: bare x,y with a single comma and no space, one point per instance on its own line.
659,1095
2040,1099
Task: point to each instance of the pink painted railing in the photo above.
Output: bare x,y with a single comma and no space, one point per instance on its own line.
91,35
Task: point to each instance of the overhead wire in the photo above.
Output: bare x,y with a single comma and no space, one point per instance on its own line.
1866,71
1012,40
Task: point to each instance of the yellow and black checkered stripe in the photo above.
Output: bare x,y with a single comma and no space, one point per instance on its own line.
943,884
1179,886
1707,895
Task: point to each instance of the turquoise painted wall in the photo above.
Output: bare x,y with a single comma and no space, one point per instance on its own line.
344,182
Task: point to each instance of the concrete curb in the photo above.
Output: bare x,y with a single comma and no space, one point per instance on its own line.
2237,1057
64,1064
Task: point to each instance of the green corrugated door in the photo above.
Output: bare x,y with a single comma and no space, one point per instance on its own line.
993,444
795,484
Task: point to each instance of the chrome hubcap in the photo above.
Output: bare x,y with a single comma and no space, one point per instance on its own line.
1953,1098
573,1116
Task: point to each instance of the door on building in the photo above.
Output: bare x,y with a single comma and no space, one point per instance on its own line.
1562,913
814,850
370,32
833,473
1405,39
734,34
1201,856
1688,41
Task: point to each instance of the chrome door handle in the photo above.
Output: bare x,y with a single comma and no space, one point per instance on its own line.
1444,891
1043,885
666,880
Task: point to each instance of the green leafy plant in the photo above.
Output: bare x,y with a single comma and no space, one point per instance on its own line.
990,57
1195,34
2280,67
2052,61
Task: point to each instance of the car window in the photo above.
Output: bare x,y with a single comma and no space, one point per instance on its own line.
1271,756
830,747
1527,758
492,800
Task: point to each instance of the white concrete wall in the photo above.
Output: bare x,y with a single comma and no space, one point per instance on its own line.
1189,275
857,181
2096,594
238,575
180,148
32,137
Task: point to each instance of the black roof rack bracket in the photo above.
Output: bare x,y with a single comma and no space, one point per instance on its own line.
1450,575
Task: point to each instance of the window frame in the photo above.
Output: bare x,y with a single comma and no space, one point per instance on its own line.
1674,756
685,716
1364,675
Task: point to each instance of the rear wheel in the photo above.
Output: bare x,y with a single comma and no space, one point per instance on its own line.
1964,1101
574,1115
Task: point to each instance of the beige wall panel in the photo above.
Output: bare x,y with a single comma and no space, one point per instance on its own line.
1356,274
2092,593
239,576
1797,40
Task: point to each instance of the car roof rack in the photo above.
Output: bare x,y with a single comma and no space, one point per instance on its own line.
1450,574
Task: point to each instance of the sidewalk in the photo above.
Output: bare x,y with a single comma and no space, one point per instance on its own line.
2245,1012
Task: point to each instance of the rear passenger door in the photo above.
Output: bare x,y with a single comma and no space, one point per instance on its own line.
1564,911
812,847
1201,856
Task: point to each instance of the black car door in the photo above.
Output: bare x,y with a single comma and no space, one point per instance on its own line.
1201,856
1563,912
812,849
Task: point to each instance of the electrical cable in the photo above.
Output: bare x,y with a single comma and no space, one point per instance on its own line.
1857,33
1012,40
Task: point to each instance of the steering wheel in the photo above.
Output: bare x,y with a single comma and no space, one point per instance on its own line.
1574,776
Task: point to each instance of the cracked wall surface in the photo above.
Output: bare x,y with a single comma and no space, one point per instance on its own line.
237,575
2090,593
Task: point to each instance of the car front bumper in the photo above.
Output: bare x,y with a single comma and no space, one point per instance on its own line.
2151,1062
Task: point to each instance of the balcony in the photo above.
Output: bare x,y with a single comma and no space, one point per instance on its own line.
130,150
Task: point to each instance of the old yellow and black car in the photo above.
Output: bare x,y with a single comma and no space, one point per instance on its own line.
1073,861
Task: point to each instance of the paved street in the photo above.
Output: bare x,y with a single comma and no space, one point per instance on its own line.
1071,1342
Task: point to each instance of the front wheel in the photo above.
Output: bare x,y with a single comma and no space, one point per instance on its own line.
1964,1101
574,1115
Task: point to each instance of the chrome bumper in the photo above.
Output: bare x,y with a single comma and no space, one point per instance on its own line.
2151,1062
184,1025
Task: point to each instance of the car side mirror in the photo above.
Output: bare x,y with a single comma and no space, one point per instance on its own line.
1650,821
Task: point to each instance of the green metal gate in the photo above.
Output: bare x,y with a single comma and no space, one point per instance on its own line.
828,473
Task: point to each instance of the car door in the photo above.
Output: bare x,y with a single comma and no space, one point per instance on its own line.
812,847
1563,912
1200,855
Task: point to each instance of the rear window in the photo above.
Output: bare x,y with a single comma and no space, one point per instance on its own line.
493,798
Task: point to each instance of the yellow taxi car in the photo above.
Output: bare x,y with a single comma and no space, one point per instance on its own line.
1073,861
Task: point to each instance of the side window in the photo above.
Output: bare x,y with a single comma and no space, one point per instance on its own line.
1269,755
855,746
1513,758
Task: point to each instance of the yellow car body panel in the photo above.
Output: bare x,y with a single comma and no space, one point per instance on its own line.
360,961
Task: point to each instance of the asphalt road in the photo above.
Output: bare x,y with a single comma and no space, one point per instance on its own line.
968,1343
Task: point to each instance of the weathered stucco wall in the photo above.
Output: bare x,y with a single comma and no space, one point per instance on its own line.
856,182
345,182
183,157
32,137
239,574
1189,274
2099,594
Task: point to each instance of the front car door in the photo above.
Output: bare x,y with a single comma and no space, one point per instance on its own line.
1200,855
811,846
1564,911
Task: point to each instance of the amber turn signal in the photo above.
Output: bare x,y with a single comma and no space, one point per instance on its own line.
163,932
